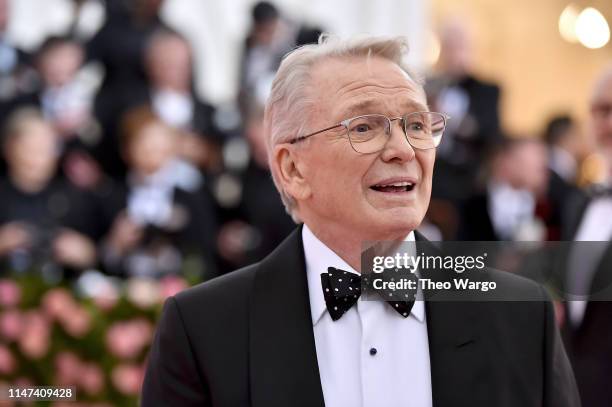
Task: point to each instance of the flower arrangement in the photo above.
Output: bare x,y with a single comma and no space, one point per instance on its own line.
93,334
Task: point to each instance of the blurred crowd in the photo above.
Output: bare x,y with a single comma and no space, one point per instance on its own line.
135,175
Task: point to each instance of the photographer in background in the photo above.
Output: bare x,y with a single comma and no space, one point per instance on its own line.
43,220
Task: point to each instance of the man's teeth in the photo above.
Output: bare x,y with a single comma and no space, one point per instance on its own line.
397,184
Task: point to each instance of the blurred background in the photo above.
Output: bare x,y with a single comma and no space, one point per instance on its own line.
133,161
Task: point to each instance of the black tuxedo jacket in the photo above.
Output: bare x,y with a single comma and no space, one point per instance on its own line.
246,339
589,345
475,220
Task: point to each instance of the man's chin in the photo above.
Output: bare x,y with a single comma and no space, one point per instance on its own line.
396,226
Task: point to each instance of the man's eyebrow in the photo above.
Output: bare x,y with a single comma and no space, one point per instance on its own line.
369,107
360,108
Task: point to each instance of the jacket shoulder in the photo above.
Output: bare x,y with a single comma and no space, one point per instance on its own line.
517,287
231,288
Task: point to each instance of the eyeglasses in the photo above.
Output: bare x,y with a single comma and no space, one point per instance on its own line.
369,133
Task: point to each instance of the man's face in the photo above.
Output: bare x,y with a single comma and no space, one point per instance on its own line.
32,155
151,149
345,186
59,65
528,166
169,64
601,115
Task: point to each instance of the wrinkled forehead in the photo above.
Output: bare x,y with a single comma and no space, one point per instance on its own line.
359,84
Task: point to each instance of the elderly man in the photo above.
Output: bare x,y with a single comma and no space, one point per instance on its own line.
351,146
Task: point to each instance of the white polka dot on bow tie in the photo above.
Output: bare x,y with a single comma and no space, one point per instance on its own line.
351,288
396,305
335,308
336,289
327,290
404,314
340,279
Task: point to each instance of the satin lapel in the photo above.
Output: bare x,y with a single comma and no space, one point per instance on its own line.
455,360
283,359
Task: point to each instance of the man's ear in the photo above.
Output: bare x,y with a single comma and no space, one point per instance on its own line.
289,170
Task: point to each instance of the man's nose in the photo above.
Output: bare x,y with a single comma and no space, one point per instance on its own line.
397,148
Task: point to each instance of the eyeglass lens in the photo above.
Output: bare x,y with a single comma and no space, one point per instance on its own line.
369,133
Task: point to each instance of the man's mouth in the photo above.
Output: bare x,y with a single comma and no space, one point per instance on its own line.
396,187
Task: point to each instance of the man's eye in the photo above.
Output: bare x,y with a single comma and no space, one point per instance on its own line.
361,128
416,126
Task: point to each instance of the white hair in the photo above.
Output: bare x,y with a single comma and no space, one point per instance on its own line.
287,110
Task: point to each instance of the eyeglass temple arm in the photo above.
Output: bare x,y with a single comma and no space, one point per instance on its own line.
295,140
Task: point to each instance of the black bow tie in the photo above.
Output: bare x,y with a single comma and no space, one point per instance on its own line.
342,289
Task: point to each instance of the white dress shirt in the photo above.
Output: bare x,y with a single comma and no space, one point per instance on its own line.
174,108
510,209
398,374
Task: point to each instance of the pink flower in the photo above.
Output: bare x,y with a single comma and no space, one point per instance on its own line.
77,323
143,292
107,297
123,341
143,330
10,293
127,378
23,382
76,404
170,286
67,369
127,339
91,378
58,303
34,340
11,325
7,362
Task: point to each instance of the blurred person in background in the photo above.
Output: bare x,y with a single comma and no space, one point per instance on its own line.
43,220
260,222
269,38
163,220
66,102
588,326
565,146
171,94
16,73
119,47
506,206
565,153
308,34
473,105
63,101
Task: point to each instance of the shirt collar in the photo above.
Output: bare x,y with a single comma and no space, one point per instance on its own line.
318,258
